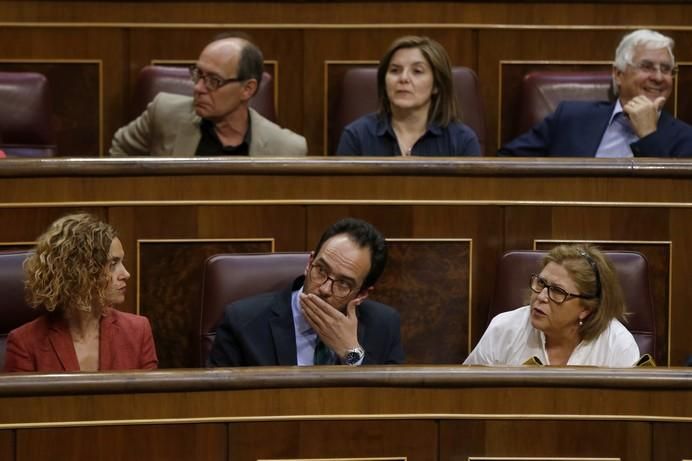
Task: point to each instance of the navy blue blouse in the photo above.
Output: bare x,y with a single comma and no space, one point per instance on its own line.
372,135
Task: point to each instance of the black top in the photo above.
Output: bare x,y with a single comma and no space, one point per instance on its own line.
210,144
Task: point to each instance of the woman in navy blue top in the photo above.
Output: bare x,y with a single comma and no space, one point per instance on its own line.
417,109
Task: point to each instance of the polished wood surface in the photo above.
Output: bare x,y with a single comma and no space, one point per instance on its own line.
415,413
497,204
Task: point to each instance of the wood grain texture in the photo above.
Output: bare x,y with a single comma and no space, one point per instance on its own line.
434,322
546,439
342,440
204,442
170,290
7,444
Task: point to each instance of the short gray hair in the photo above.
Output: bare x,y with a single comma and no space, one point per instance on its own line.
649,39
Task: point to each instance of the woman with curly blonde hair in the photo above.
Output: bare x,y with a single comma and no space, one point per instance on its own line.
76,275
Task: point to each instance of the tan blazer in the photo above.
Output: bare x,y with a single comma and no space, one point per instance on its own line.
169,127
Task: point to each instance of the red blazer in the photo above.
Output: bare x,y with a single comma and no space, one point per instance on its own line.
45,344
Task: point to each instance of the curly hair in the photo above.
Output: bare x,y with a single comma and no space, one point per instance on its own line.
66,272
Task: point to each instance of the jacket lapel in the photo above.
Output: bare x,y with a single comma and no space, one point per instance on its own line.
258,144
108,331
283,330
63,347
187,136
595,127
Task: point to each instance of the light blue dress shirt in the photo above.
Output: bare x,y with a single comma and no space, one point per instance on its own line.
618,136
306,338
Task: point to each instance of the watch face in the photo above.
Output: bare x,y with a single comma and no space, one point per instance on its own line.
353,356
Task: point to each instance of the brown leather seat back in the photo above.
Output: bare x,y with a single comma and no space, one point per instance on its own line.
512,289
26,128
153,80
357,96
542,91
230,277
14,310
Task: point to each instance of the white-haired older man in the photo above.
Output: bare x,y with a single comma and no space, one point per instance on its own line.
634,125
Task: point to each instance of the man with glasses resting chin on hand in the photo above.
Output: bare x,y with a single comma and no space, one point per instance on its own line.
634,125
217,120
324,317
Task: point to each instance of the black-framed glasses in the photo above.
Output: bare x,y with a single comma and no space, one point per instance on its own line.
340,288
211,81
557,294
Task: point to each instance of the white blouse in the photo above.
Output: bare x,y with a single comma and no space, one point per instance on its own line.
511,340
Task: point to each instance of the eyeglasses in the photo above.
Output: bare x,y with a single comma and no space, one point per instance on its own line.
340,288
556,294
650,68
211,81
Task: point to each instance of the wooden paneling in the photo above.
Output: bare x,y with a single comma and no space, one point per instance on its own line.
516,439
7,445
672,441
597,12
203,442
434,322
170,290
326,440
303,413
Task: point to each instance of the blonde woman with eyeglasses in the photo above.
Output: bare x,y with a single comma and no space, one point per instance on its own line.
575,316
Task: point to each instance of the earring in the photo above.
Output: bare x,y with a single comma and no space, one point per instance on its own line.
581,322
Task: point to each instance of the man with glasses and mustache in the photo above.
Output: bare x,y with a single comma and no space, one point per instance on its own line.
217,120
634,125
324,317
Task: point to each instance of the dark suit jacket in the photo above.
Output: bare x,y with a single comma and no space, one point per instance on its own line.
259,331
576,128
45,344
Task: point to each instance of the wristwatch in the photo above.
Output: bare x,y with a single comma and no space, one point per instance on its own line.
353,356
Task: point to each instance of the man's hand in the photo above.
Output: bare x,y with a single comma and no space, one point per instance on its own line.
643,114
337,330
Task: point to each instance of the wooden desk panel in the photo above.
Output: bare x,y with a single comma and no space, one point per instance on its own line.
412,413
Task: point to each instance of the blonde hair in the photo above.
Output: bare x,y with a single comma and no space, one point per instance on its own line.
594,275
66,271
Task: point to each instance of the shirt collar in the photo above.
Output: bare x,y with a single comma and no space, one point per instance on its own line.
384,125
616,110
208,126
